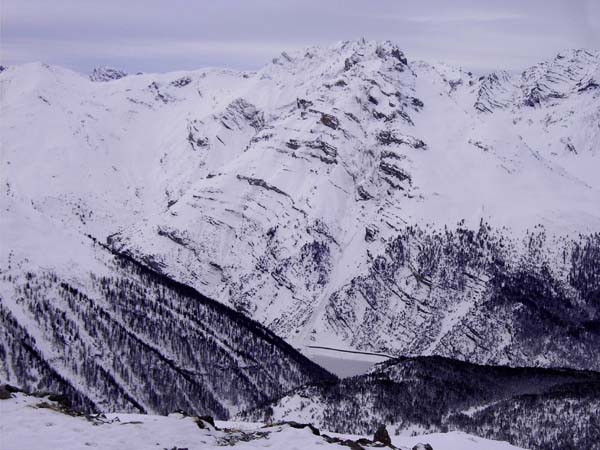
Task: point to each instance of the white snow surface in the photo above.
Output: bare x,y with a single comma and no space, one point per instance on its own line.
226,179
26,426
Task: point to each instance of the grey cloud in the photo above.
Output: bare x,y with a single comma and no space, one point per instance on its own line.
157,35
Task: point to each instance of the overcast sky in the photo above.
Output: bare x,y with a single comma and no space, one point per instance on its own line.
163,35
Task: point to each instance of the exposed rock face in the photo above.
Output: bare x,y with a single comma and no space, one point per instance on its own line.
104,74
330,121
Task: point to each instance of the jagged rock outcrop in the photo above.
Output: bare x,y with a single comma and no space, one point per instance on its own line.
104,74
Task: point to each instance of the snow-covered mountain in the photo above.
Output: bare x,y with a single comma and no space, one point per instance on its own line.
341,196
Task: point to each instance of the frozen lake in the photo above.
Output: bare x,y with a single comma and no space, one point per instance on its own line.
343,364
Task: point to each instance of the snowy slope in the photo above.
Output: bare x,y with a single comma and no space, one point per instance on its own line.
278,191
109,334
25,425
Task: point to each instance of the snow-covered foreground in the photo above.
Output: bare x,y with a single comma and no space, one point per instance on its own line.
25,425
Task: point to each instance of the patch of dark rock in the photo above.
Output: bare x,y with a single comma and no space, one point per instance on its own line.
371,232
351,62
271,232
352,117
261,183
454,84
294,144
382,435
330,121
373,100
381,116
282,281
396,53
322,229
151,262
404,115
591,84
201,421
197,142
218,267
363,194
352,444
534,97
386,137
247,112
390,154
62,400
394,171
420,446
326,148
302,103
261,137
480,145
159,95
172,236
316,257
556,95
344,442
327,160
181,82
417,103
104,74
5,394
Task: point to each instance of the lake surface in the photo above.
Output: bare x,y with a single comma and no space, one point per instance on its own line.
343,364
343,367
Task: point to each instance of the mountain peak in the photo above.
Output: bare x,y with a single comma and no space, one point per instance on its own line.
359,57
